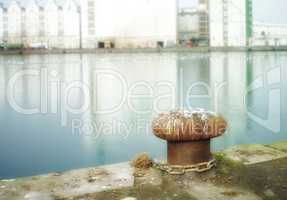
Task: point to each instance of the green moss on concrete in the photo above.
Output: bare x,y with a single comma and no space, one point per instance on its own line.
225,165
268,179
282,146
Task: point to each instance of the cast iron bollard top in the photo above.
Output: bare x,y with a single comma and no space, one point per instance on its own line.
189,125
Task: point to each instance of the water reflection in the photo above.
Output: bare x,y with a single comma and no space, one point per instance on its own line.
247,88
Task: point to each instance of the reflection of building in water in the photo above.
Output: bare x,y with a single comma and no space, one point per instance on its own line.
265,84
216,83
3,83
31,92
139,79
18,90
194,82
229,76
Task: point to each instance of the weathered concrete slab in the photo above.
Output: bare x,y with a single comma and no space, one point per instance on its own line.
251,154
282,146
150,176
203,190
198,186
68,184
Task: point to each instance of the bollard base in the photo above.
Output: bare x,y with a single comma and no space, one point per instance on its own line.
188,153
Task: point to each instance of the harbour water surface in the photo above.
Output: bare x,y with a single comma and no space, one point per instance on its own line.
61,112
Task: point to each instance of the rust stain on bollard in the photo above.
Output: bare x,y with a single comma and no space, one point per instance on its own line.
188,153
188,135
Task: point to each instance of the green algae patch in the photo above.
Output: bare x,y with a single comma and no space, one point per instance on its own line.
282,146
251,154
267,179
226,166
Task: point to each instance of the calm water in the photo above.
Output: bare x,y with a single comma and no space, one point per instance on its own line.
61,112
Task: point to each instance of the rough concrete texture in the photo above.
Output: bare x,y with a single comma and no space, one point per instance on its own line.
199,191
247,172
251,154
68,184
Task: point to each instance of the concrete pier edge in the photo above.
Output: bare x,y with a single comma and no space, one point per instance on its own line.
74,183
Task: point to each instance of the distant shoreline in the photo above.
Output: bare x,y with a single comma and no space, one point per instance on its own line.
141,50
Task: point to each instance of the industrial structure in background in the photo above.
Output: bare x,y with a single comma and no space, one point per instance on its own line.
193,28
232,24
129,23
72,24
88,24
42,24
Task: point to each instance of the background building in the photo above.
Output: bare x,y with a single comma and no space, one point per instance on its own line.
188,25
133,24
203,13
70,26
1,22
13,19
129,23
30,23
88,23
194,25
269,34
230,23
40,24
50,28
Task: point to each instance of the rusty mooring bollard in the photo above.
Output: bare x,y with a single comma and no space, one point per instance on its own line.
188,135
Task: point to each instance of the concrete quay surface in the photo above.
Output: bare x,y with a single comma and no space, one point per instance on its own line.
244,172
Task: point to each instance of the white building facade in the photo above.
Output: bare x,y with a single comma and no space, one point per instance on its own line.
71,25
188,24
129,23
51,23
31,24
1,23
230,23
14,23
89,23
